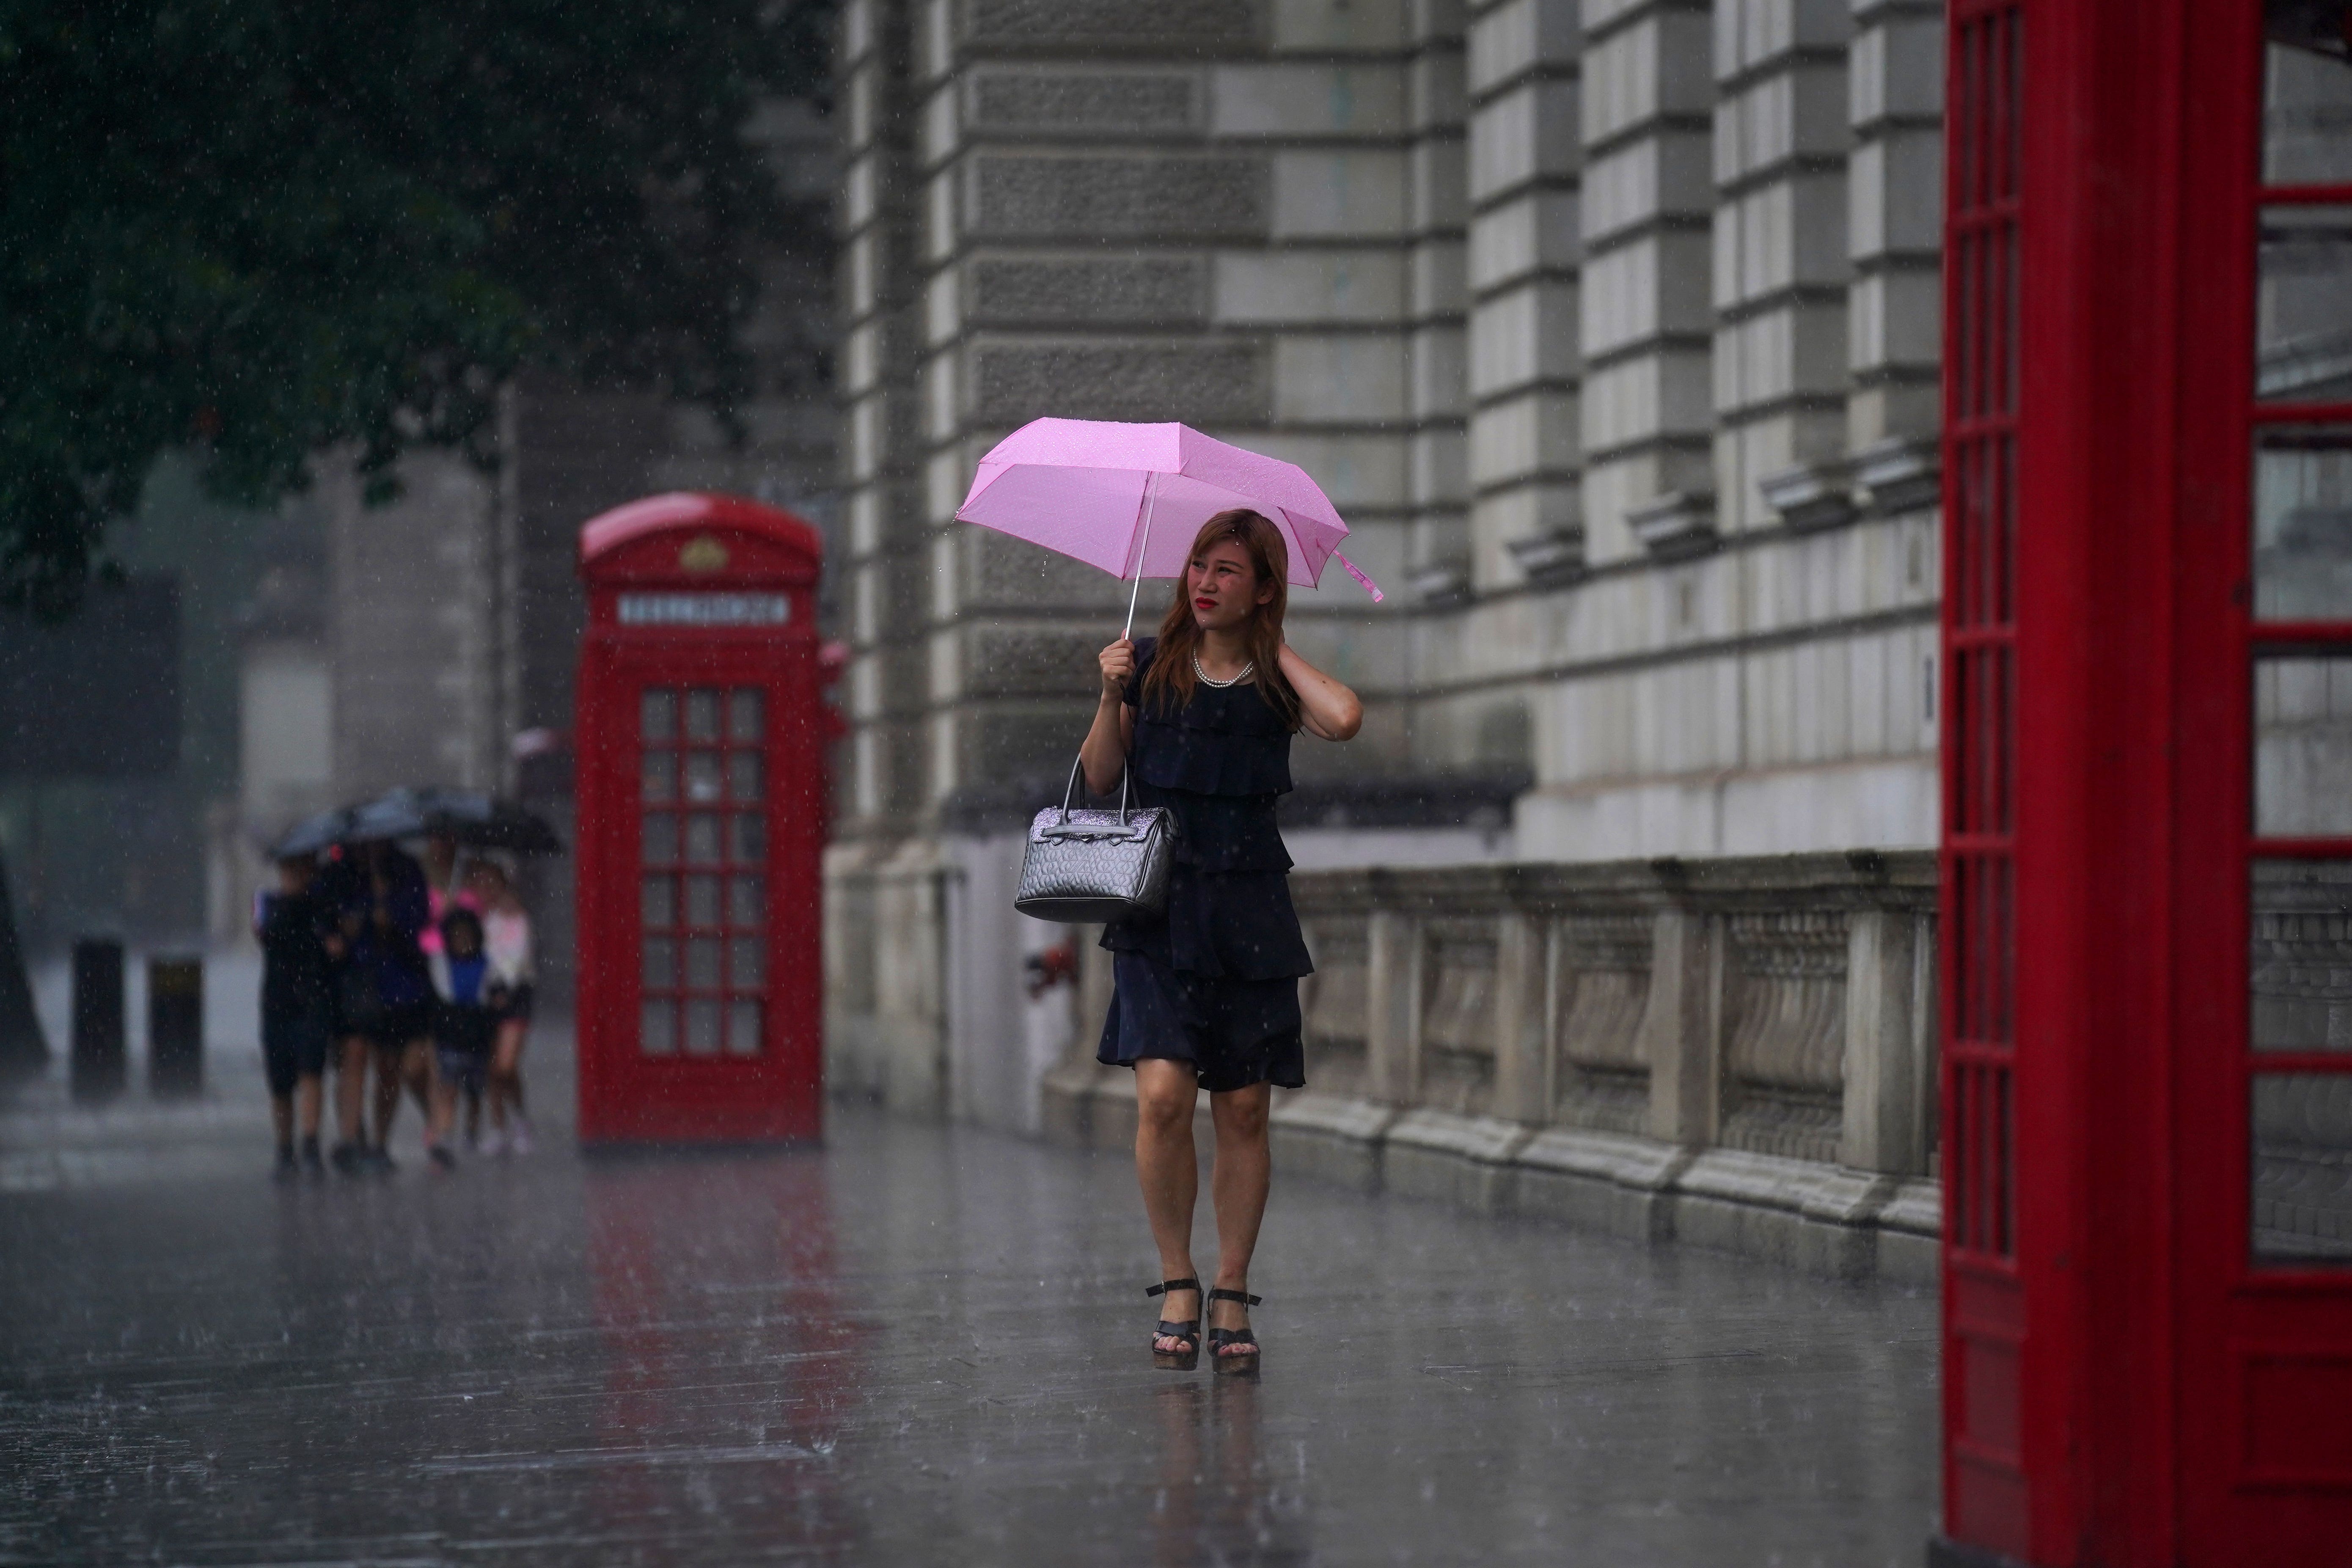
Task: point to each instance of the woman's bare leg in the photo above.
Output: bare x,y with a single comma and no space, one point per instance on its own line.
306,1093
1165,1092
1237,1185
506,1071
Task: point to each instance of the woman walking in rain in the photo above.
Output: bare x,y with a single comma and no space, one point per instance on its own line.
1207,994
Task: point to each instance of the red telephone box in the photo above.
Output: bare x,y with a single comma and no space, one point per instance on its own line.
700,738
2147,763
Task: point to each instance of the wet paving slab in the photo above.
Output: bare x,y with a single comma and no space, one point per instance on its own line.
916,1344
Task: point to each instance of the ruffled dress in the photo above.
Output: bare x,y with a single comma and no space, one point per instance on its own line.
1215,979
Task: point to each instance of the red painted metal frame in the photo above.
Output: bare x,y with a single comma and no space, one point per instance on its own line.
2238,1504
1986,1500
625,1096
2122,1384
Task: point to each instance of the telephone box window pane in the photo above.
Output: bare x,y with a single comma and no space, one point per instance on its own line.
702,717
743,1029
657,1028
2304,305
659,899
702,963
2299,967
660,777
658,714
701,776
2303,747
750,835
747,901
2302,523
702,839
2307,94
659,839
702,901
743,775
661,963
747,964
702,1027
746,715
2302,1168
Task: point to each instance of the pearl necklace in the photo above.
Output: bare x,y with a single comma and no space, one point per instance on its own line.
1233,679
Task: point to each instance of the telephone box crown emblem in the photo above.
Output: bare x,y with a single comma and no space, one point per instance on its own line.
701,555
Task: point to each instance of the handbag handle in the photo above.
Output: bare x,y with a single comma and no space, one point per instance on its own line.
1071,791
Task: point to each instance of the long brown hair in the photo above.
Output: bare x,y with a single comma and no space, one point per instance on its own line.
1169,680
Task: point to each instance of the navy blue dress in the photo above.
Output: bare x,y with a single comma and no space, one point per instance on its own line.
1214,981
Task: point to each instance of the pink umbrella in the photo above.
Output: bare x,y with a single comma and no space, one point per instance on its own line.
1094,490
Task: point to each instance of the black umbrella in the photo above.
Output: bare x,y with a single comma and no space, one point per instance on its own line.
395,813
312,834
477,819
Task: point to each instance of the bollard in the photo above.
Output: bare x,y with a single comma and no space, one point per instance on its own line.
175,1026
100,1070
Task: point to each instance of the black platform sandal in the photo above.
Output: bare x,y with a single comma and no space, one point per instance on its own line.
1187,1331
1243,1360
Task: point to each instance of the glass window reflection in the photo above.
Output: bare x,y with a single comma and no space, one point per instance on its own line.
2303,747
2299,958
2302,523
2304,305
2302,1184
2307,93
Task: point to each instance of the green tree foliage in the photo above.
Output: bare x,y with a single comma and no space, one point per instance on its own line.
259,228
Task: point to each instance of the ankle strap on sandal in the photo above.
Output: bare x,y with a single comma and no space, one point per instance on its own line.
1222,1294
1166,1284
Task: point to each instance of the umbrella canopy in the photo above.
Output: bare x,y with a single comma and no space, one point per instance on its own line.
482,821
312,834
473,818
1127,498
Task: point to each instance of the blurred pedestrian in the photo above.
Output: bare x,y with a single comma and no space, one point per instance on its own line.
297,1022
384,996
506,925
1205,994
464,1027
447,889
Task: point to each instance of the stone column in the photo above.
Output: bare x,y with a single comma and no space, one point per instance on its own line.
1524,157
1436,300
1392,986
1780,263
1681,1028
884,685
1896,178
1883,1124
1645,312
1523,1044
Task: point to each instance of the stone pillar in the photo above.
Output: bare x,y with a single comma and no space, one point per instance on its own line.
883,567
1645,317
1392,985
1436,300
1525,158
1523,1044
1780,263
1895,180
1681,1028
1882,1125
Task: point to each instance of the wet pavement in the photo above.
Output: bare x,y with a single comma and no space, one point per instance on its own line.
917,1345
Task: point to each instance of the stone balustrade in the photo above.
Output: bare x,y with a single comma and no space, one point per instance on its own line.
1734,1052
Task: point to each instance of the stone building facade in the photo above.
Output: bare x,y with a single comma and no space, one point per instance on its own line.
1612,326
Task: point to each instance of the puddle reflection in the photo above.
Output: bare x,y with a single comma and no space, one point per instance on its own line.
1218,1499
729,1361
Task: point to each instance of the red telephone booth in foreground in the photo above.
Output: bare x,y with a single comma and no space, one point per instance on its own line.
2148,762
700,738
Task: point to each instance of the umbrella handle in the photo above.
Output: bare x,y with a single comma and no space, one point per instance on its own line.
1151,494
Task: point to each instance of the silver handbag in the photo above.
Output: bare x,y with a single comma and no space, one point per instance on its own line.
1084,867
